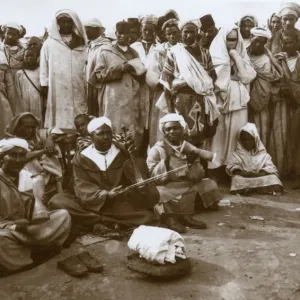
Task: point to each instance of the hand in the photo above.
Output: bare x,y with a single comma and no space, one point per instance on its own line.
114,192
44,91
191,158
233,52
22,225
49,145
127,68
280,56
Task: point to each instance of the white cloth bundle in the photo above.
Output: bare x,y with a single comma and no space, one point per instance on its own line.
156,244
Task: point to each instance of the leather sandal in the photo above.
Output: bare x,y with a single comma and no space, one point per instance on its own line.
173,224
73,266
91,263
193,223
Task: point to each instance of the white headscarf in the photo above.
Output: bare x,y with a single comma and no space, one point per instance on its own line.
97,123
94,22
249,18
8,144
78,27
193,21
172,118
263,32
12,25
290,8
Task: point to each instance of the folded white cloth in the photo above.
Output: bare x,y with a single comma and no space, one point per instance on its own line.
156,244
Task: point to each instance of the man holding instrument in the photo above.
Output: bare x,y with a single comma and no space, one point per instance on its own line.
99,182
187,191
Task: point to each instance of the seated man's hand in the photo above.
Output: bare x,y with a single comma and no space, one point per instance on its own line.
114,192
127,68
21,225
49,145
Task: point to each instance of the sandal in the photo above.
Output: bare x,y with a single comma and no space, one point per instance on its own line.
91,263
73,266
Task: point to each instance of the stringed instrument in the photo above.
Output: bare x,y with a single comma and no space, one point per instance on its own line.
142,187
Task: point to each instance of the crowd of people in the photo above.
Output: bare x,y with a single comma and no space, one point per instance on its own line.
162,111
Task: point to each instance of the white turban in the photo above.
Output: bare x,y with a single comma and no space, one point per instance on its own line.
93,23
290,8
97,123
263,32
12,25
6,145
63,15
196,22
171,118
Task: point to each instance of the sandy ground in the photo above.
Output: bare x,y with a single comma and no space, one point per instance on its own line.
236,258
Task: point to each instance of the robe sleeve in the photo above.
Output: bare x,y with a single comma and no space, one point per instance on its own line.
104,73
246,72
9,85
269,166
154,69
233,165
156,164
44,65
295,83
18,84
167,74
90,195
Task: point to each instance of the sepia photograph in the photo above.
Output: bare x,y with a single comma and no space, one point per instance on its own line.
149,150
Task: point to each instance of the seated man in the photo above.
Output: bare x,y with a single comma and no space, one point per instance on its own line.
43,159
185,191
251,167
99,178
19,238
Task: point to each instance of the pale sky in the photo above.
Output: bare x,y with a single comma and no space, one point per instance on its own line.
37,14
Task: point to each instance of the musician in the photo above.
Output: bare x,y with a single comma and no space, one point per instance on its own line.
99,177
185,192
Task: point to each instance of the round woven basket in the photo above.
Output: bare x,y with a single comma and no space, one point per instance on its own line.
168,271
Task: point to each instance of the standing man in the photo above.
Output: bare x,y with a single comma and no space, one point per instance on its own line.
289,15
95,34
208,31
118,84
135,29
62,75
14,53
246,24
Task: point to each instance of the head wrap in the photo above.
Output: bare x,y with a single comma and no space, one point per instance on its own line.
6,145
148,20
258,31
207,21
170,23
94,22
12,25
270,20
248,18
97,123
195,22
290,8
78,28
172,118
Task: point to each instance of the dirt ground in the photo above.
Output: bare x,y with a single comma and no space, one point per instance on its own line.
236,258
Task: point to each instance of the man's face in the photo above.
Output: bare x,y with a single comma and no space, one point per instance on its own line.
81,126
208,35
232,39
246,26
11,36
14,161
258,45
289,45
123,37
288,21
134,35
173,132
65,25
30,59
275,24
93,33
102,138
148,32
26,128
172,35
35,44
189,34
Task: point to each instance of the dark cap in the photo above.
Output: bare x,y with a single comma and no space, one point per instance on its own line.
206,22
123,26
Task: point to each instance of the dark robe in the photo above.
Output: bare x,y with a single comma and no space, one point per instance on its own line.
90,204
